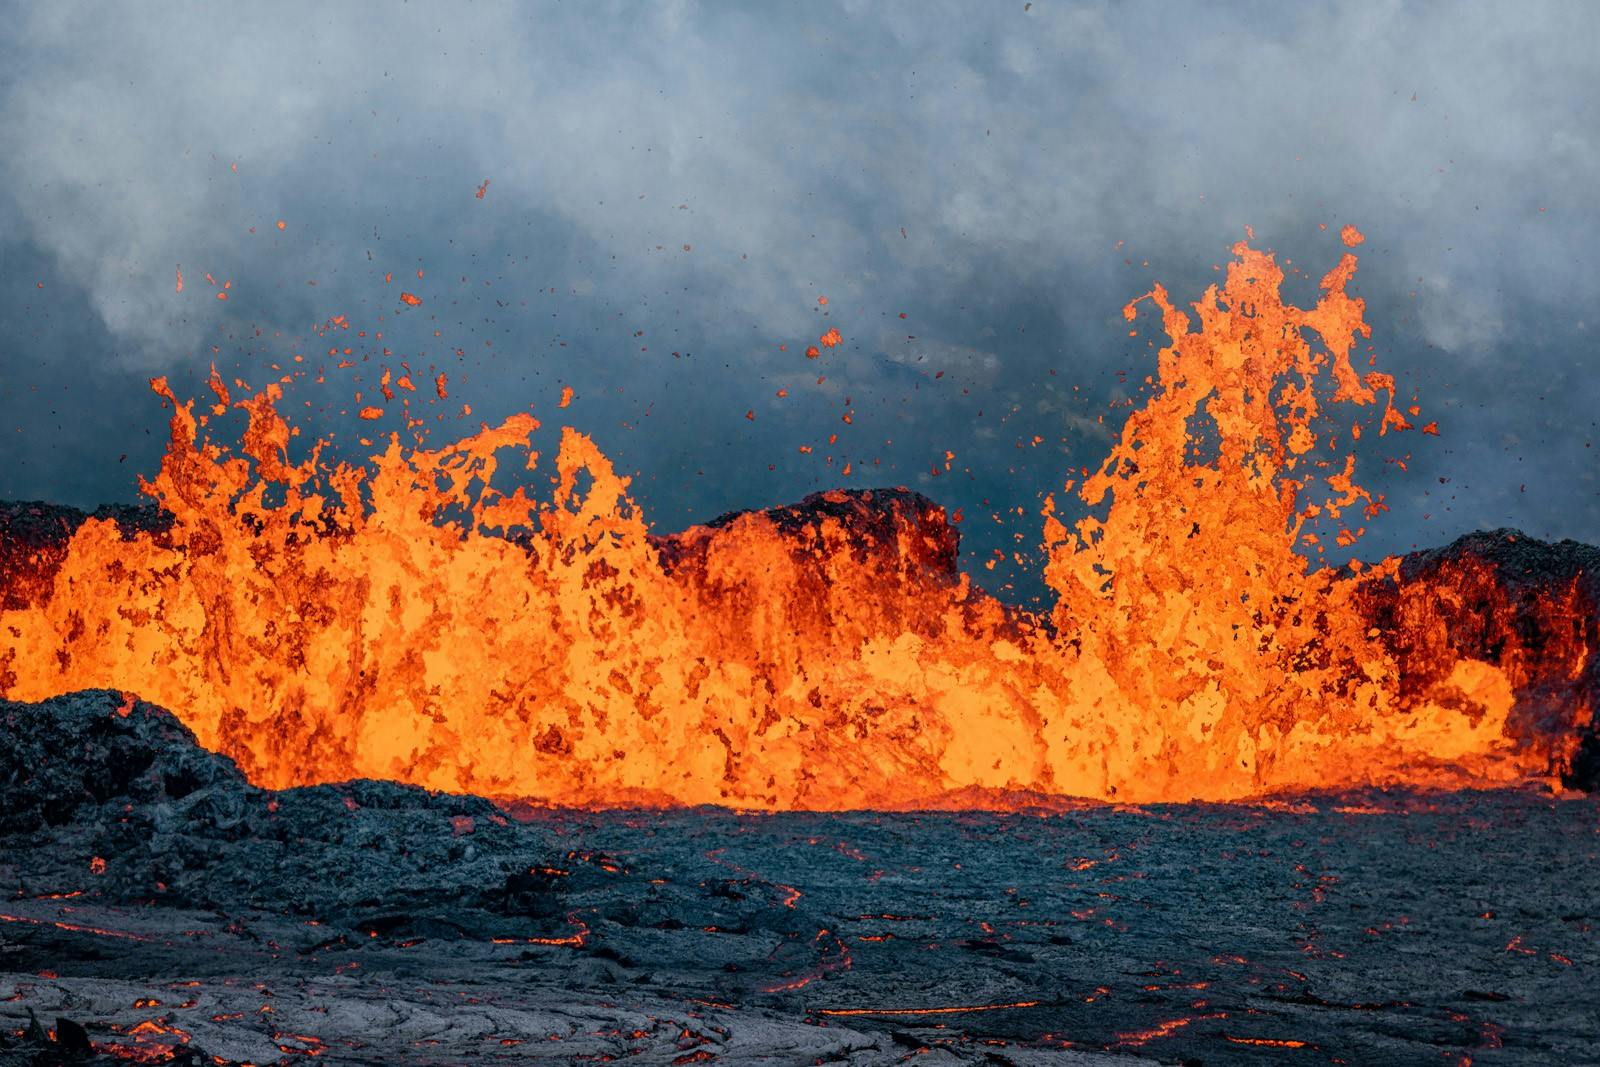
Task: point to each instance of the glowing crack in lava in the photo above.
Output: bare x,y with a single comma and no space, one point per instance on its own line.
319,621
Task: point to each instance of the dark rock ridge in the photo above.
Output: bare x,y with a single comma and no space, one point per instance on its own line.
64,755
891,530
870,558
1530,607
183,823
869,562
886,532
34,536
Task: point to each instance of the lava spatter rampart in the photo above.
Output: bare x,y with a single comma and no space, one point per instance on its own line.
318,621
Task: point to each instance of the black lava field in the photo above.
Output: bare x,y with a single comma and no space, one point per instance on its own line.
159,908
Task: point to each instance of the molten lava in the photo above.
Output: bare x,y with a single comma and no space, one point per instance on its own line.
318,621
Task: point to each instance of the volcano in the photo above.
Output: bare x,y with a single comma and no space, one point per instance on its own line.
413,761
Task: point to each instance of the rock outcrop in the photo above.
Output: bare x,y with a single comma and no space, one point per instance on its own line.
1530,607
34,536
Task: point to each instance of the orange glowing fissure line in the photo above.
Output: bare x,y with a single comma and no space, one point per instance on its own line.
959,1009
401,619
1266,1042
76,928
576,940
841,960
1164,1029
790,894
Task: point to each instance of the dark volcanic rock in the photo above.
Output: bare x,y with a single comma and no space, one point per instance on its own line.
380,924
34,536
131,805
890,531
1530,607
96,748
867,561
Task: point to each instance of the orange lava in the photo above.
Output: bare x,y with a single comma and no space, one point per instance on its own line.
318,621
1266,1042
963,1009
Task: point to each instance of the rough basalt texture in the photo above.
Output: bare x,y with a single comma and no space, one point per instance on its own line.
34,536
871,561
1530,607
892,531
153,905
60,757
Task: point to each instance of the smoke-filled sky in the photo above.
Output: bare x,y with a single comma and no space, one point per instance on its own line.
976,190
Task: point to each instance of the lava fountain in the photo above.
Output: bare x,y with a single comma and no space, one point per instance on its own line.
405,620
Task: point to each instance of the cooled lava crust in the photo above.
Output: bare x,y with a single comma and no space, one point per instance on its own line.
156,907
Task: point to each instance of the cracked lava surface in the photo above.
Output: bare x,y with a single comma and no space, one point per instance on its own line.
171,910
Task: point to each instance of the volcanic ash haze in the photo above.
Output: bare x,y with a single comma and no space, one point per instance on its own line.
319,622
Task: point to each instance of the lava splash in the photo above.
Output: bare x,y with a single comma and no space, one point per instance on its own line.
318,621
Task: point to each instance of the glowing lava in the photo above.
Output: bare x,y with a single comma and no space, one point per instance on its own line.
318,621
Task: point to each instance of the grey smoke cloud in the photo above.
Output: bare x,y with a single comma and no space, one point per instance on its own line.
703,172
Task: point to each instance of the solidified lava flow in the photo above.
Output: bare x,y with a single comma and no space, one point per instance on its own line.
318,621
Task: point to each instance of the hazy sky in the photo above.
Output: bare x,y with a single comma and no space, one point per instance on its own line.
672,187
